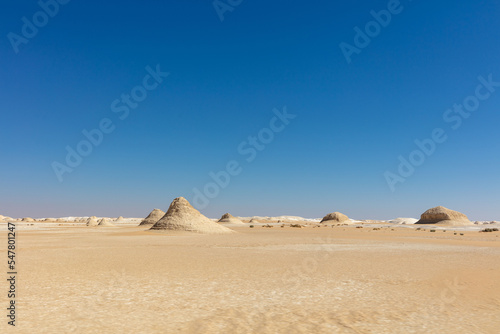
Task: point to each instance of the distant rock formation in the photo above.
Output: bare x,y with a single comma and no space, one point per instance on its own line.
230,219
403,221
181,216
104,222
92,222
443,216
153,217
335,217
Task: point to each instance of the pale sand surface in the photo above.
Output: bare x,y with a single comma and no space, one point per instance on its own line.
261,280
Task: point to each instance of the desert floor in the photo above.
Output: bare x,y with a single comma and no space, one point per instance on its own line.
260,280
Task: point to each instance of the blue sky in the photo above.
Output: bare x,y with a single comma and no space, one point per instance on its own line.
352,121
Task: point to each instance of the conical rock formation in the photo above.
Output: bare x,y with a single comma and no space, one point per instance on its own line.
181,216
230,219
92,222
104,222
153,217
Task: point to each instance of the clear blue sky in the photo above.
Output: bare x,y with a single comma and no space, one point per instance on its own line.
353,120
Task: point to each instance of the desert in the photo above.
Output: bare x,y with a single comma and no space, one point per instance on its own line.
250,167
264,277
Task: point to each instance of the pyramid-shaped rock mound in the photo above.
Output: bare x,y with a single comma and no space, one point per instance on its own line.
254,221
335,217
105,222
230,219
181,216
120,219
92,222
153,217
443,216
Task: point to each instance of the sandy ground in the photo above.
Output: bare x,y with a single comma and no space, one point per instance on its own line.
261,280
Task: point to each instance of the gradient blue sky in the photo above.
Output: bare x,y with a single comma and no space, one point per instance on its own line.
353,120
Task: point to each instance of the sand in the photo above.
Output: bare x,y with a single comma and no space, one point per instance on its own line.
261,280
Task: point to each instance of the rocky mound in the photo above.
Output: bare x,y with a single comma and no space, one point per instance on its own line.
153,217
335,217
403,221
92,222
181,216
230,219
443,216
104,222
